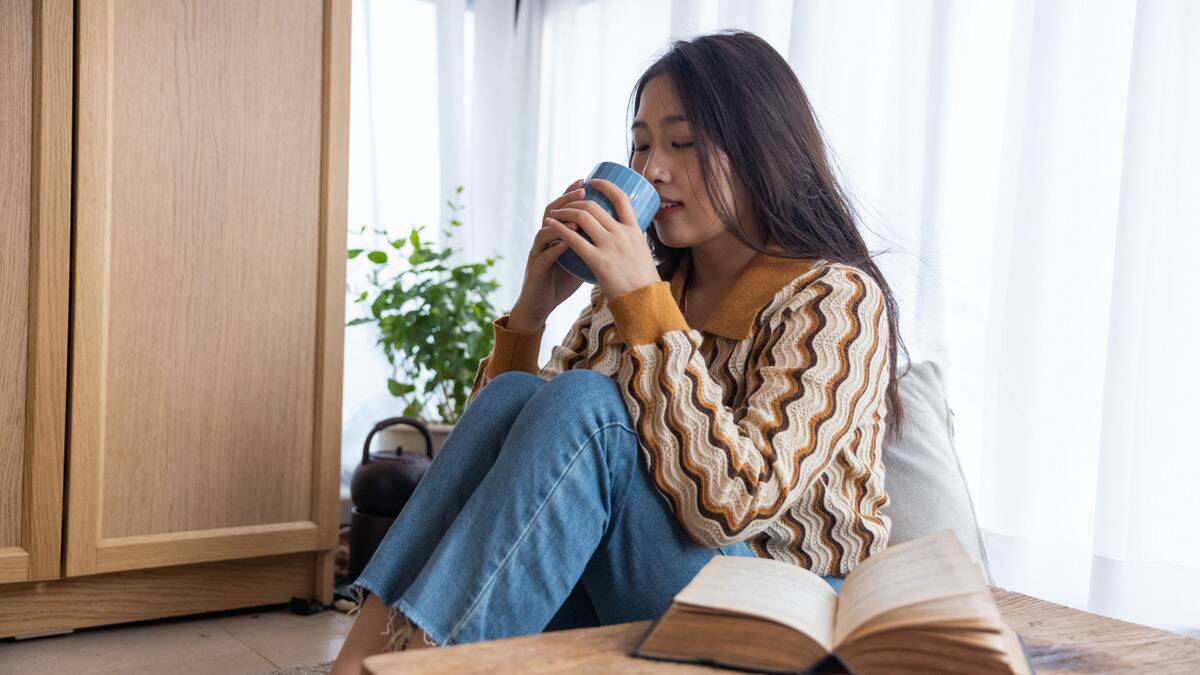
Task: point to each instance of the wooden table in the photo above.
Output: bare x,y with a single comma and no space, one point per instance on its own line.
1059,639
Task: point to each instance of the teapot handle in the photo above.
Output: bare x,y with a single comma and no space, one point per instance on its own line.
392,421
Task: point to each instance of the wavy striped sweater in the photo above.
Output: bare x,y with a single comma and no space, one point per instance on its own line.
766,424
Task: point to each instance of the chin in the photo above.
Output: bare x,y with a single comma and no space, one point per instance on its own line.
670,236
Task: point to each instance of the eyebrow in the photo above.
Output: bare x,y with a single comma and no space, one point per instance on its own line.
666,120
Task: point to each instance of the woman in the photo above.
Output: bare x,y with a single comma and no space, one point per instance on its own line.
724,393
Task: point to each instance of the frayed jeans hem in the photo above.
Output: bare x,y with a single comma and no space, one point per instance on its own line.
398,638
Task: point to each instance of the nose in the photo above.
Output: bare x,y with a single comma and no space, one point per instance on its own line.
655,169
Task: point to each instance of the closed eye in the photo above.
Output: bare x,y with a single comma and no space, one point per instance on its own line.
674,145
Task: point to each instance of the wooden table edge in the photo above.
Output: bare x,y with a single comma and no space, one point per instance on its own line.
1059,638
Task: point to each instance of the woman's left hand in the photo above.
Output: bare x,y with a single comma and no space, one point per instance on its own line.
618,254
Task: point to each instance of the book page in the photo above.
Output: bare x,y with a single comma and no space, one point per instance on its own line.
930,567
1017,658
970,611
771,589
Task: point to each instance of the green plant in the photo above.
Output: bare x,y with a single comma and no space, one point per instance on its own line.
435,321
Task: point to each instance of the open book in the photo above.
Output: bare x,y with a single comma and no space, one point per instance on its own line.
921,606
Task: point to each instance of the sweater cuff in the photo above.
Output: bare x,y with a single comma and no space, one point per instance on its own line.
514,350
644,314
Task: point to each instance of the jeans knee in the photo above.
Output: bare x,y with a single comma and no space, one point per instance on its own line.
504,396
583,393
515,378
515,382
575,411
585,384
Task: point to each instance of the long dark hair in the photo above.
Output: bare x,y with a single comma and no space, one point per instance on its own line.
742,98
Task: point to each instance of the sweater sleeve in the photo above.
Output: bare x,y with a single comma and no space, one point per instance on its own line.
816,371
515,350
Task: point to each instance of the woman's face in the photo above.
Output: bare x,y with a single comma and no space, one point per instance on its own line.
665,154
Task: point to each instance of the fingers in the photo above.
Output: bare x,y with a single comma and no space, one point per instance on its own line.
597,212
584,220
544,238
617,197
577,184
563,200
546,257
547,247
571,238
574,192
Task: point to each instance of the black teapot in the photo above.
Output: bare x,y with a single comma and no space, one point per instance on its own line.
380,488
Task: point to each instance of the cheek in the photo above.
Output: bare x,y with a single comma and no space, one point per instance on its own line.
700,213
699,196
690,227
638,164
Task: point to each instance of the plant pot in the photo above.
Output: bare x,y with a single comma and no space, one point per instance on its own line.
407,437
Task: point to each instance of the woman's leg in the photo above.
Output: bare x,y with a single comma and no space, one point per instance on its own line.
452,477
511,560
645,556
562,514
621,597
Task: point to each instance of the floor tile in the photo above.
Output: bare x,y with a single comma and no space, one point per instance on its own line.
290,639
199,646
229,643
246,662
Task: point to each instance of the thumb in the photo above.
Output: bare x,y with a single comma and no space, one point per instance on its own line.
551,253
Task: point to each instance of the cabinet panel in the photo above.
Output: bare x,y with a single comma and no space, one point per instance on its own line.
16,128
35,125
210,227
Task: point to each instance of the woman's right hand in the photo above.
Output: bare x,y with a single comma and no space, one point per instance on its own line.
546,283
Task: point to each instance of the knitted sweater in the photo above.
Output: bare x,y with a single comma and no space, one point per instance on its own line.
766,424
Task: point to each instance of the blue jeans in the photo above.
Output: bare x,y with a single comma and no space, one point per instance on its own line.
536,514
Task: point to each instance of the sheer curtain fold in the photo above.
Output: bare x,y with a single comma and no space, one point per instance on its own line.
452,89
1146,561
1025,169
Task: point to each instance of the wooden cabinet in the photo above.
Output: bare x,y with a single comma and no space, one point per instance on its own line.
171,305
35,254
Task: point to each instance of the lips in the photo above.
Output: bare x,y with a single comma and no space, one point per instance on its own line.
667,207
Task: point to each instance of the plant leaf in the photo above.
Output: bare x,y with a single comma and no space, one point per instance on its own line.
434,321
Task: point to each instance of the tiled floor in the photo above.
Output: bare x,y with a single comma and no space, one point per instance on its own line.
230,643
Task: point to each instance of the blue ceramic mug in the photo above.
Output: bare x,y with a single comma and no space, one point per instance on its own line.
641,193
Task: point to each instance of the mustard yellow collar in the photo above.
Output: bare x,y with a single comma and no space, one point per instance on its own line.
757,283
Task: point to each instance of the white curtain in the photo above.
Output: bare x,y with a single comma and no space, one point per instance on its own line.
1028,171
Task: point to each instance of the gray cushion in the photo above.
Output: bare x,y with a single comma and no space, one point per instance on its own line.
922,474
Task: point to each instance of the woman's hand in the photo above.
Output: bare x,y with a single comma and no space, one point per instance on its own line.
546,284
618,254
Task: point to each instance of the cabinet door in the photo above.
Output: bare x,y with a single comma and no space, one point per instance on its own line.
208,280
35,240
